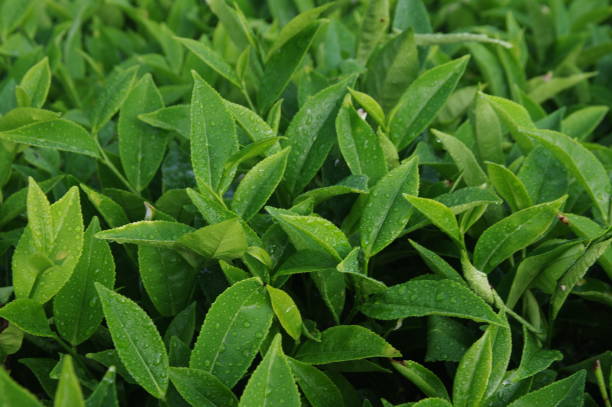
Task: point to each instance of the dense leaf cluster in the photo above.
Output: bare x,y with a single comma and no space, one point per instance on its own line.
305,202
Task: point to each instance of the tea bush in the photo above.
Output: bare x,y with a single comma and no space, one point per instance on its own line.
305,202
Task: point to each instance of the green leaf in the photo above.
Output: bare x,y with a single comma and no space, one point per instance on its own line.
373,28
213,134
281,65
386,212
534,359
114,93
272,383
111,211
345,342
353,184
436,263
105,393
255,126
233,330
215,61
432,402
141,147
422,100
76,309
69,392
583,164
359,145
392,69
426,380
509,186
418,298
544,177
318,388
167,277
488,131
464,159
157,233
568,391
311,135
581,124
225,240
501,347
35,85
40,270
514,116
549,88
370,105
439,214
513,233
286,311
12,394
575,273
28,315
201,388
473,372
58,134
173,118
15,204
258,185
136,340
312,233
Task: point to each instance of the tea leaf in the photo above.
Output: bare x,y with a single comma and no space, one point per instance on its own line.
114,93
211,58
28,315
35,85
137,341
427,381
69,392
473,372
12,394
509,186
157,233
317,387
286,311
569,390
225,240
201,388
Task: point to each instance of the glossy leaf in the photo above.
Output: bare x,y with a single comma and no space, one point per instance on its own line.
113,95
69,392
213,134
422,100
509,186
210,58
28,315
136,340
286,311
318,388
225,240
258,185
534,359
76,309
569,391
141,147
345,342
386,212
157,233
463,158
233,330
439,214
373,27
12,394
201,388
473,372
271,383
488,131
513,233
35,85
418,298
427,381
544,177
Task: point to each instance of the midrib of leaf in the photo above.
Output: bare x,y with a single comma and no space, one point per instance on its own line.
229,326
268,375
328,248
129,338
436,311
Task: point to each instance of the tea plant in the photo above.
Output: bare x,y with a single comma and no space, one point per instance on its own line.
305,202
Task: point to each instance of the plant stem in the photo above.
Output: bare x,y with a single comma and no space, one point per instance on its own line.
112,167
601,383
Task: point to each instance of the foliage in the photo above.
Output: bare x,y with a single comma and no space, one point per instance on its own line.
305,202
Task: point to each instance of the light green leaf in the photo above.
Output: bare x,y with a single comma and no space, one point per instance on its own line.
311,135
233,330
12,394
35,85
225,240
543,175
141,147
272,383
113,95
579,161
58,134
501,347
111,211
432,402
581,124
418,298
509,186
173,118
386,212
421,102
568,391
15,204
258,185
488,131
137,341
76,309
473,372
513,233
356,184
318,388
28,315
436,263
370,105
514,116
286,311
439,214
463,158
281,64
426,380
359,145
210,57
105,393
157,233
40,272
213,134
201,388
549,88
373,28
69,393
